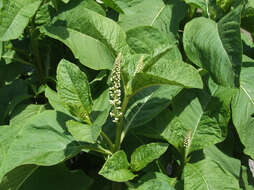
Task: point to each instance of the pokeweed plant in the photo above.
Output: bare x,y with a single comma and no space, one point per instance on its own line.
126,94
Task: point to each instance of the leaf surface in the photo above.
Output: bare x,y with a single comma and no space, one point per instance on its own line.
15,16
216,47
73,88
116,168
145,154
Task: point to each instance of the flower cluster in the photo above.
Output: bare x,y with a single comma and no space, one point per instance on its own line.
186,142
115,90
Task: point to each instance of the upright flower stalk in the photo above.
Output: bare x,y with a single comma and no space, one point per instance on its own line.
115,90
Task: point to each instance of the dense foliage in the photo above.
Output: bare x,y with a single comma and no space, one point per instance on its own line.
126,94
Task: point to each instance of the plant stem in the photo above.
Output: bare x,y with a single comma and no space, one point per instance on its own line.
18,60
119,126
97,149
107,139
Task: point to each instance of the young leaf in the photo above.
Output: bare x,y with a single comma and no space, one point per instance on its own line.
204,115
91,52
216,47
40,142
211,173
14,17
116,168
73,88
145,154
112,4
243,108
57,177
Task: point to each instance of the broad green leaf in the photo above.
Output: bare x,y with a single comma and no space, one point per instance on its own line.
88,22
42,141
145,154
212,172
243,108
165,16
73,88
200,116
26,115
148,40
116,168
55,101
216,47
147,104
15,16
90,52
167,72
57,177
15,178
155,181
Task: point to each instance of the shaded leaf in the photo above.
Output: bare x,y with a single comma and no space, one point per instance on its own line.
57,177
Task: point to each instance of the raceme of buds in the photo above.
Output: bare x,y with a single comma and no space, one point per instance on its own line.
186,142
115,90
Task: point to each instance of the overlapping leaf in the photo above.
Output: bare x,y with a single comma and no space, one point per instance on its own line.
200,116
243,108
73,88
14,17
41,142
216,47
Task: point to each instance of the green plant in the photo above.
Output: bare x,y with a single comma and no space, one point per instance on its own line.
126,94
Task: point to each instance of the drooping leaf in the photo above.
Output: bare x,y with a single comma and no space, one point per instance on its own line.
73,88
155,181
216,47
15,16
201,116
145,154
211,172
91,52
116,168
57,177
90,23
165,16
243,108
42,141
